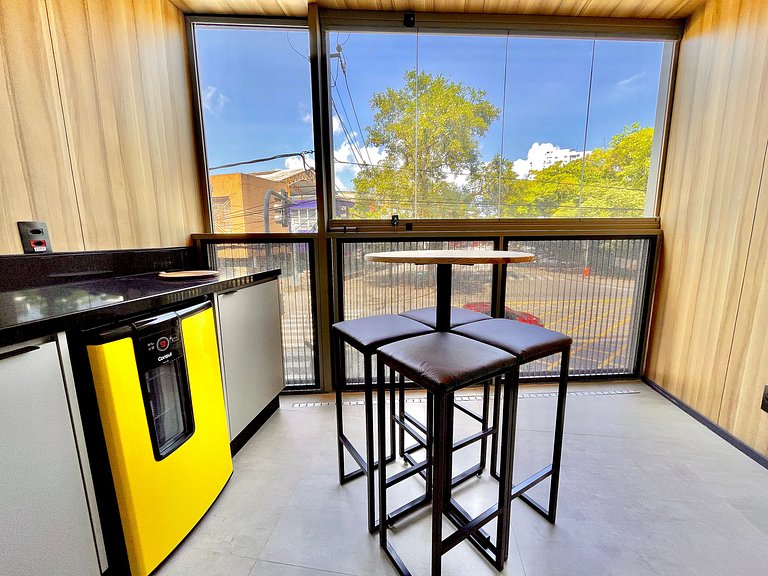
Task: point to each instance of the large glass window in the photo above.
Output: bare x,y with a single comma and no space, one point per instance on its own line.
448,125
256,102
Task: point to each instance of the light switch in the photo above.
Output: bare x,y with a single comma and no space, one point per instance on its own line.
34,237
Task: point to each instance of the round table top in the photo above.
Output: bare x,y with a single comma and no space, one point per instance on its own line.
451,256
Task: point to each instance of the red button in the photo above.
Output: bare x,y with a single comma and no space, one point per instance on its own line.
162,343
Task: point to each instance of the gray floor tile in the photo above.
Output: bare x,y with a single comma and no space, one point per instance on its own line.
645,490
190,560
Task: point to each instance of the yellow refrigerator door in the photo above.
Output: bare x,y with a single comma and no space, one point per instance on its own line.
160,502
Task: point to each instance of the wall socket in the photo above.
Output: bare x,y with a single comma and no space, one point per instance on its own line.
34,237
764,405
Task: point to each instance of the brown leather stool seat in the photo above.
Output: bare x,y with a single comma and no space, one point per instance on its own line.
459,316
442,363
528,342
366,335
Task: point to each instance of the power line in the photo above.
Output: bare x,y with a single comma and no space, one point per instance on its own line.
352,144
354,111
267,159
288,37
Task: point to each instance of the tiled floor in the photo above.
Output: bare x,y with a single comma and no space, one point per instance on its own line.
645,490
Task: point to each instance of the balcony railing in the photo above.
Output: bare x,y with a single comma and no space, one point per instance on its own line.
595,289
299,330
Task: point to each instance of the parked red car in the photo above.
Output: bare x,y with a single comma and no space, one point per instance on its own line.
485,308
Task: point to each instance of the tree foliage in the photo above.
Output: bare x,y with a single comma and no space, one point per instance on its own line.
614,183
428,131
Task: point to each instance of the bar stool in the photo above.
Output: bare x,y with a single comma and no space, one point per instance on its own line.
441,363
528,343
459,317
366,335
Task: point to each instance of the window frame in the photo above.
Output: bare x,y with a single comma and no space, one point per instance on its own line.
668,31
191,22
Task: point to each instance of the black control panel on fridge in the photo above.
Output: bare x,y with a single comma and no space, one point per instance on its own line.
159,349
160,346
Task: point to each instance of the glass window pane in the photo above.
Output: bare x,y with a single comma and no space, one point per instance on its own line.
256,103
625,89
545,118
461,96
493,126
374,118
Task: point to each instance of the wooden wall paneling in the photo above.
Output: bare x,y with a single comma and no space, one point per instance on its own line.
129,118
164,65
747,376
35,175
614,8
709,197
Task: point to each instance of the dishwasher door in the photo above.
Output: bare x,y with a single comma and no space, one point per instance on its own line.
161,402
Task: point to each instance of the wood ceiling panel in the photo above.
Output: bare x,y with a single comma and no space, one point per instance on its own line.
611,8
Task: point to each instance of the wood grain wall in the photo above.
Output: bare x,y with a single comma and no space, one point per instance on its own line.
35,173
612,8
116,113
707,306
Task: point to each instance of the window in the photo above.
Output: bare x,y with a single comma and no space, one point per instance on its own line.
256,103
432,125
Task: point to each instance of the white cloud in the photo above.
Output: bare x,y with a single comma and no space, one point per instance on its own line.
294,162
627,87
458,179
213,100
307,118
348,161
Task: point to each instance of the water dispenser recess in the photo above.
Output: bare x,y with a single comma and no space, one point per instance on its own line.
34,237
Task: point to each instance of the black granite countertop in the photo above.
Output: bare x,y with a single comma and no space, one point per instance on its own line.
41,311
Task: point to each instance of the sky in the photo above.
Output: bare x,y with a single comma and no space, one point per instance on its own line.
257,97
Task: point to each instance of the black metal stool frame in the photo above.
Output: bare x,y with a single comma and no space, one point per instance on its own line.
405,421
343,441
553,470
438,461
406,424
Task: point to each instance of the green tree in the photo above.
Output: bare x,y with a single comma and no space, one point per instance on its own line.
614,183
614,179
428,131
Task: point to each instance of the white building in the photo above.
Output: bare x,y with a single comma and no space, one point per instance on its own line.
544,155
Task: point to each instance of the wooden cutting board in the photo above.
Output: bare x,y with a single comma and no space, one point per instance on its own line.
187,274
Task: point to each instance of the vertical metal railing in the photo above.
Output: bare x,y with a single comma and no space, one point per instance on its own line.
370,288
594,290
299,327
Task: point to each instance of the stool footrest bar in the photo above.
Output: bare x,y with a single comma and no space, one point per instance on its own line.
354,453
473,438
468,412
464,530
531,481
464,517
407,473
535,505
466,475
411,431
405,509
415,422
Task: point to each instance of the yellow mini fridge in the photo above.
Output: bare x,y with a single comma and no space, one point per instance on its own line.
161,403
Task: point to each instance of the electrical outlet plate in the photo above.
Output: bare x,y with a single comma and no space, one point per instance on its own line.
34,237
764,405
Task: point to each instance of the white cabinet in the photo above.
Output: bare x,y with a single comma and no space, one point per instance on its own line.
46,525
252,352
